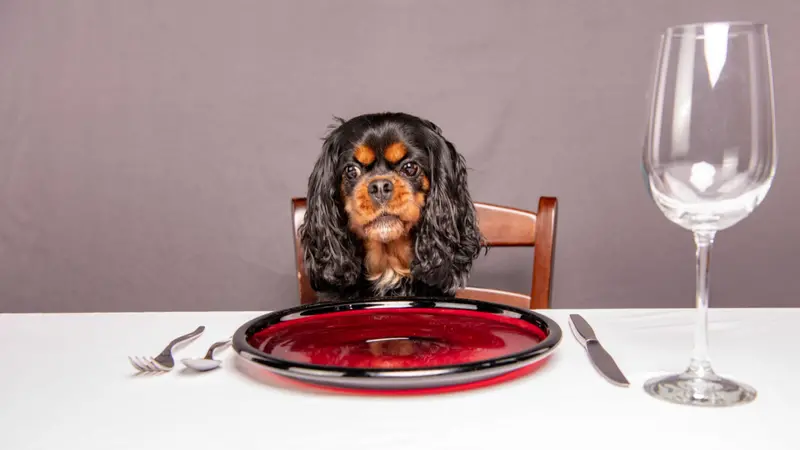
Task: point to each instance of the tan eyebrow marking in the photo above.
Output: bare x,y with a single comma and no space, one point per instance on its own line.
364,155
395,152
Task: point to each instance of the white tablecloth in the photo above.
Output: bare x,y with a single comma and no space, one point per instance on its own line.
65,382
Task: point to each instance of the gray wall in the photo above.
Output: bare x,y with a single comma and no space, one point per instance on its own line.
142,143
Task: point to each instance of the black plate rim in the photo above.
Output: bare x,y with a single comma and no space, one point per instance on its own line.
327,372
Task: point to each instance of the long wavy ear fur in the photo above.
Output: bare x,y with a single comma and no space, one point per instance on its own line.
331,254
448,238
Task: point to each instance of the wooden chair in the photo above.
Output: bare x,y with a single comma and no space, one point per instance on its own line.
502,227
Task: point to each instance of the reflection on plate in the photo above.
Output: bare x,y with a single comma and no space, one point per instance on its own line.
397,344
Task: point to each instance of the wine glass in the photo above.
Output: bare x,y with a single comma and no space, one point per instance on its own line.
709,160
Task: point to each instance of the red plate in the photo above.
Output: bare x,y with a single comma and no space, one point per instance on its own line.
404,343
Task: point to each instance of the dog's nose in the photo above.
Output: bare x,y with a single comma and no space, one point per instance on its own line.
381,190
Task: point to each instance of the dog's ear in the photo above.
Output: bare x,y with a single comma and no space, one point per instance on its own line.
435,128
330,252
448,238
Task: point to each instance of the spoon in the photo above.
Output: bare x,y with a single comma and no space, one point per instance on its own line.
208,362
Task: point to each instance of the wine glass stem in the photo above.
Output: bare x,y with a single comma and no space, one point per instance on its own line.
700,364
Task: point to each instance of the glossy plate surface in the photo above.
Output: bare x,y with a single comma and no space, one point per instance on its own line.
405,343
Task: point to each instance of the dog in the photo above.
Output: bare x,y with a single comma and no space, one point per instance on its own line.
389,212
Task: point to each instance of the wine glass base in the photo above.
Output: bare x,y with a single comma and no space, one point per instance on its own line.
708,390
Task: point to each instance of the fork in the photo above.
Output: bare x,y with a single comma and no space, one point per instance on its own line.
164,361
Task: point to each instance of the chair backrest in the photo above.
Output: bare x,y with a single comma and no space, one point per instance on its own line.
501,227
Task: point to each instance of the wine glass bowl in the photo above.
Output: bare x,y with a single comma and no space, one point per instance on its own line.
709,160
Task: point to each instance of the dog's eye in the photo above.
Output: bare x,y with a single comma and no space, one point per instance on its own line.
410,169
352,172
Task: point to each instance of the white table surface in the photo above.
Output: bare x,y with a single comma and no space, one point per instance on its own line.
65,383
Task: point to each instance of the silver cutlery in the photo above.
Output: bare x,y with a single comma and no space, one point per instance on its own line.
164,361
598,355
208,362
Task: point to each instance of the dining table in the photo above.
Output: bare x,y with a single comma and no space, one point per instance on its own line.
66,383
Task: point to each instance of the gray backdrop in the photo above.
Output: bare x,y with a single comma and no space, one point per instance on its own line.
148,149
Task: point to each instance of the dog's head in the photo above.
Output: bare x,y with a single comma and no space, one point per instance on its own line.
389,181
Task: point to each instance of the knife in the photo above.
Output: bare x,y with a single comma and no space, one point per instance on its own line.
600,358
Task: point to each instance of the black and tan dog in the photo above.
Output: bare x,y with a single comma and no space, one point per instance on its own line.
389,211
